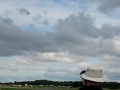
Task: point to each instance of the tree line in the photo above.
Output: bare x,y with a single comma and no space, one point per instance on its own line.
75,84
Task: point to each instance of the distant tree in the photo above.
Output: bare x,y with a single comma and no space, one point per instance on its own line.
111,85
76,84
114,85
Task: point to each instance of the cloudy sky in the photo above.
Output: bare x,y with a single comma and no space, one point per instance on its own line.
56,39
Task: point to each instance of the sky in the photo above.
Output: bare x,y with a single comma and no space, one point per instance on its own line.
57,39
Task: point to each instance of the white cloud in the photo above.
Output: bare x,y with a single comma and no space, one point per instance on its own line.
56,39
110,66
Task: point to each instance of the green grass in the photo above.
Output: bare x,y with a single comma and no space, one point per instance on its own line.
37,88
110,89
42,88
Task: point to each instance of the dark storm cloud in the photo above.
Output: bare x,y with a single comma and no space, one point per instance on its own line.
109,5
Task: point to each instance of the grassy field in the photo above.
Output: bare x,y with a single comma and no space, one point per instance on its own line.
37,88
42,88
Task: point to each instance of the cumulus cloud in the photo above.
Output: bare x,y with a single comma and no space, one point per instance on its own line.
15,41
78,34
75,34
28,68
62,49
109,5
111,66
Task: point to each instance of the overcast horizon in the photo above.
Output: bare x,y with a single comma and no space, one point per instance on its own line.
56,39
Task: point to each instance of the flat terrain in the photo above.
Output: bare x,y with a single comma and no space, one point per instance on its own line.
37,88
42,88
